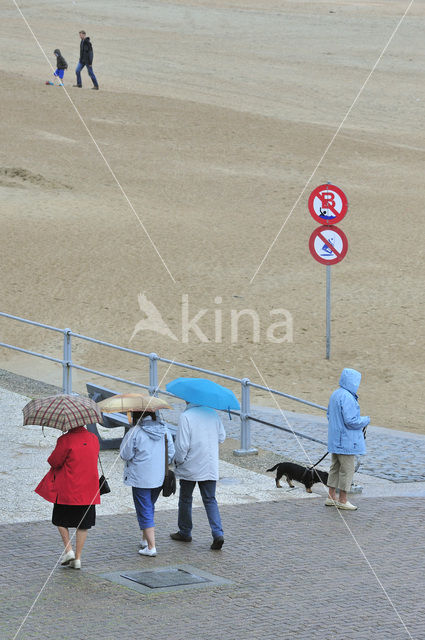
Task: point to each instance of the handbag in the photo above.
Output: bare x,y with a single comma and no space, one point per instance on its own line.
103,483
169,484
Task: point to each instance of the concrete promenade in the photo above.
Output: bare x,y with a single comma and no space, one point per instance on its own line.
296,569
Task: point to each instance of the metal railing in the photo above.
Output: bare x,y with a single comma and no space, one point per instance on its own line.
153,387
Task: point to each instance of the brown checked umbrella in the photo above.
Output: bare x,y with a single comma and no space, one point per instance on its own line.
63,412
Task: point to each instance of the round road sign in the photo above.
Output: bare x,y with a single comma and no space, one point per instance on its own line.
327,204
328,245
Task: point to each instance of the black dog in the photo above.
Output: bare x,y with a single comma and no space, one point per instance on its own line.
292,471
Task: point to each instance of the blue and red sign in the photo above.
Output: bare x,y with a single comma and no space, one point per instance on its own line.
328,245
327,204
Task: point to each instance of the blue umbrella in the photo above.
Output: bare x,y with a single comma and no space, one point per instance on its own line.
204,392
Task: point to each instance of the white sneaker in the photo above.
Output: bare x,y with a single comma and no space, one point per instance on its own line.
331,503
143,543
67,557
75,564
346,505
148,552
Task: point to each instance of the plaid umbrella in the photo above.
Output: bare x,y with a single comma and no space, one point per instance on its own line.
63,412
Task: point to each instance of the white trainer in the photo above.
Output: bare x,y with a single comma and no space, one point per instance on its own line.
331,503
67,557
143,543
148,552
75,564
346,505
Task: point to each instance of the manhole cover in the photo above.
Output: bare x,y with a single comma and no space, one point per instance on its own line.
172,578
163,578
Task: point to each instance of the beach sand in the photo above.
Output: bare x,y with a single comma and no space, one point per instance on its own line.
174,180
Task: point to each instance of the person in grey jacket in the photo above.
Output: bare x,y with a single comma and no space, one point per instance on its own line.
346,438
143,449
199,432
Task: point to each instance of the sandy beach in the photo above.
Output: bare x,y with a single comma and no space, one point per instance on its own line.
174,180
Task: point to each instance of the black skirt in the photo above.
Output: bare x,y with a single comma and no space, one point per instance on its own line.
71,515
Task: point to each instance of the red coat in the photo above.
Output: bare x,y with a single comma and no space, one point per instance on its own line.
73,477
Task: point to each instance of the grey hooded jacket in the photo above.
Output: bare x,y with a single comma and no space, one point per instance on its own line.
143,450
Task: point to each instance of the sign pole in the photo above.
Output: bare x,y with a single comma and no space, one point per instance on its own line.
328,244
328,311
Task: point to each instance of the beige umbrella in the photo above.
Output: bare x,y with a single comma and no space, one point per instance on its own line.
62,412
128,402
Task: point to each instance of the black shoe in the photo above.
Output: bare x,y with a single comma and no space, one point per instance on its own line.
181,538
80,86
217,543
95,88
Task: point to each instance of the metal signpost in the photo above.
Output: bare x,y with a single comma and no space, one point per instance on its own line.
328,244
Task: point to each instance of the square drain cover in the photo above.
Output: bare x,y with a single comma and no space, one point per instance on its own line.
163,578
176,577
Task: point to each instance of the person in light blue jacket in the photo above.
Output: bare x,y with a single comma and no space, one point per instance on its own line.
143,449
346,437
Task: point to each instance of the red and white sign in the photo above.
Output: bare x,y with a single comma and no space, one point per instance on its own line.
328,245
327,204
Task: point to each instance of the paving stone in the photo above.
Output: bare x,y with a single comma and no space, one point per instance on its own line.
296,573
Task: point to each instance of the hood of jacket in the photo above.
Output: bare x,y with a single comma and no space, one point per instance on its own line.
350,380
154,428
57,52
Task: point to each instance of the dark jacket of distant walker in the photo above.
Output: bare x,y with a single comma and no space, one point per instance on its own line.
61,63
73,477
86,52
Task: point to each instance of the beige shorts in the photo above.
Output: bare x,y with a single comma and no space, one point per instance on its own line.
341,472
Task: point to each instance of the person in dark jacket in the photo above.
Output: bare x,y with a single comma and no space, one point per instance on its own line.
61,65
72,484
85,60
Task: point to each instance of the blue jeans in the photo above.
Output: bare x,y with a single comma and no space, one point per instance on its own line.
89,70
144,502
207,489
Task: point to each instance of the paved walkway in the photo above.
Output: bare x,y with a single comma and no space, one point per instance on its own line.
296,573
298,570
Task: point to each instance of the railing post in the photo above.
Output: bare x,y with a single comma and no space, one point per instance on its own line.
153,374
246,449
67,362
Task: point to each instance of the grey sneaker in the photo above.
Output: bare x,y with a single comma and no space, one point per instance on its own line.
95,88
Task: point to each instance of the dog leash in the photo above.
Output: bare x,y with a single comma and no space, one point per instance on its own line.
311,468
322,458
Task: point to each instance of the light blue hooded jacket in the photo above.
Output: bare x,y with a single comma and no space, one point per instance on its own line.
345,422
143,449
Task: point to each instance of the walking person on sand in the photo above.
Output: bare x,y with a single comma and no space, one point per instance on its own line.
61,66
85,60
346,438
72,484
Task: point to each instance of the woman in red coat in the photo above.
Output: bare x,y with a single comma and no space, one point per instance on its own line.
72,484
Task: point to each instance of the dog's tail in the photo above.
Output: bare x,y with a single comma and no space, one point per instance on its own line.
273,468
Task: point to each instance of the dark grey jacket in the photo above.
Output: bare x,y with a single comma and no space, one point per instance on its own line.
86,52
61,63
